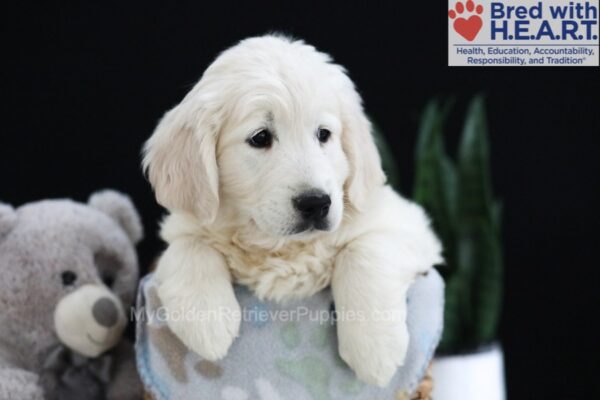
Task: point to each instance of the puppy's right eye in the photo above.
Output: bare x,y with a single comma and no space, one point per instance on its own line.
261,140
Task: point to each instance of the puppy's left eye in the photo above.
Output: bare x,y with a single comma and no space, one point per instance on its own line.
261,140
323,135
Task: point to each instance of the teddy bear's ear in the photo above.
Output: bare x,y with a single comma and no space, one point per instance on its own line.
119,207
8,219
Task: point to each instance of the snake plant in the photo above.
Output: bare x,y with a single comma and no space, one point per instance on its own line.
388,163
458,198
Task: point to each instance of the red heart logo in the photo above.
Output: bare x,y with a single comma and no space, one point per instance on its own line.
468,28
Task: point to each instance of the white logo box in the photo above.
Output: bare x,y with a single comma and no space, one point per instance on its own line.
523,33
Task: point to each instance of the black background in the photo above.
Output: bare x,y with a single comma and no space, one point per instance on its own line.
84,85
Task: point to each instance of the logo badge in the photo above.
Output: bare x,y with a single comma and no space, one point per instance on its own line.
523,33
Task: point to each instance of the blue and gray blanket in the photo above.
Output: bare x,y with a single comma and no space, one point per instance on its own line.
277,357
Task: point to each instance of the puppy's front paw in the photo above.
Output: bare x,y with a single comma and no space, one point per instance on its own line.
207,323
374,350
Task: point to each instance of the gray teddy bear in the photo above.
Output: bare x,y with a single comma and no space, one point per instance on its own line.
68,274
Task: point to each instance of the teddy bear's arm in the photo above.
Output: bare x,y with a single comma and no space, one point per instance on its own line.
125,383
19,384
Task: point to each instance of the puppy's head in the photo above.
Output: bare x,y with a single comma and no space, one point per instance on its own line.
273,134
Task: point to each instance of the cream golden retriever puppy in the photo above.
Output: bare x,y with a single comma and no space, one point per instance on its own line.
272,180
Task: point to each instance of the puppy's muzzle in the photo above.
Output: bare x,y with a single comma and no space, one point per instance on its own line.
313,207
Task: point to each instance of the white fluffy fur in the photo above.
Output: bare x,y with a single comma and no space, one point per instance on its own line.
232,218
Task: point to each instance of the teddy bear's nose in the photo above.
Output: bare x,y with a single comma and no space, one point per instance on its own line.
105,312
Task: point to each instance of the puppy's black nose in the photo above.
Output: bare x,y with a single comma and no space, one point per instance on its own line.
312,205
105,312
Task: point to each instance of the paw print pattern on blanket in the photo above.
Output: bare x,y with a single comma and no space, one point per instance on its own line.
168,345
312,371
174,353
276,358
309,371
173,350
208,369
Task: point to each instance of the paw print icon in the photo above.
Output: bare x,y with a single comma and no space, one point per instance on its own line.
467,19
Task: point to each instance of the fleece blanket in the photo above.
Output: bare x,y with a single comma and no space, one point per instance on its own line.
283,351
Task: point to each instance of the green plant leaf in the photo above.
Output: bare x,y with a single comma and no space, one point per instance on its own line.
478,248
475,194
435,190
467,219
388,162
435,181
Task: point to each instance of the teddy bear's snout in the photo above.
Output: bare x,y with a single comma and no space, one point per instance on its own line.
105,312
90,319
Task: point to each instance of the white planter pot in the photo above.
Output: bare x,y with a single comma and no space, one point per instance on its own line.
475,376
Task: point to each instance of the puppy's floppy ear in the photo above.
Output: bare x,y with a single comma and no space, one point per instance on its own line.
358,144
180,160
